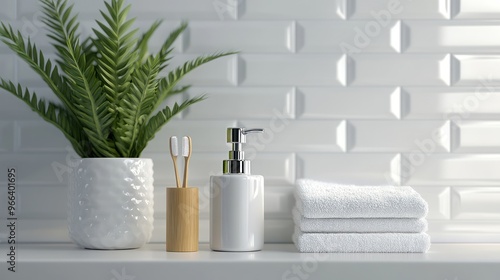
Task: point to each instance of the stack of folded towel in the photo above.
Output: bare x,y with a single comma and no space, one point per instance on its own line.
345,218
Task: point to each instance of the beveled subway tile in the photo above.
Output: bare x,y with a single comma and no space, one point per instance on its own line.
398,69
288,136
293,70
382,9
278,201
450,169
8,67
6,136
363,169
207,136
475,70
343,103
155,9
455,103
33,136
476,136
243,103
439,200
29,197
8,11
293,9
220,72
347,37
213,36
278,169
451,36
398,136
476,9
32,9
474,202
161,34
40,168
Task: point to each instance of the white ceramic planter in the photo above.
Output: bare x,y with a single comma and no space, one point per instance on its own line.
111,203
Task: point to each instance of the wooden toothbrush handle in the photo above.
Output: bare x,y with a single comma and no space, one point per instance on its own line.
176,171
186,164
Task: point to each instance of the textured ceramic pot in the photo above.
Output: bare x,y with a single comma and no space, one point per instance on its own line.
111,203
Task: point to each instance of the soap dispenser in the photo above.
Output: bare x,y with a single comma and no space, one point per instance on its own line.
237,201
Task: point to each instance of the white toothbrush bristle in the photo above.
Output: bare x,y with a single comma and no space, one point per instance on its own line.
185,146
174,146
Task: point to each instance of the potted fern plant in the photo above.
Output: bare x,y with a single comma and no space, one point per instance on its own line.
111,91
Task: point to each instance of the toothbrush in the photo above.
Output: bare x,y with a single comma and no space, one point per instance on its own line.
186,153
174,152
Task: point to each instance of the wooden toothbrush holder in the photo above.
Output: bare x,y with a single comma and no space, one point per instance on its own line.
182,219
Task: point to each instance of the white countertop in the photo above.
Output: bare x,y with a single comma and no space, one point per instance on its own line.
276,261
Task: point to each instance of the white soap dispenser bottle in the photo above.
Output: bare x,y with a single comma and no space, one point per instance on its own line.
237,201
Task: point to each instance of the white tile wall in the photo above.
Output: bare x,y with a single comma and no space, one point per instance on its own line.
328,36
221,72
366,169
8,11
355,91
439,201
419,168
451,36
476,203
344,103
291,9
6,136
212,36
397,136
8,62
454,103
287,70
476,136
403,9
470,70
385,69
475,70
226,103
326,136
477,9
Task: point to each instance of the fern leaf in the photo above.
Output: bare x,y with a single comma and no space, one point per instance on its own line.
92,107
115,44
135,107
53,113
30,54
156,122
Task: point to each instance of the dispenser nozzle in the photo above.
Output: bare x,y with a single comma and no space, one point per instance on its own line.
236,162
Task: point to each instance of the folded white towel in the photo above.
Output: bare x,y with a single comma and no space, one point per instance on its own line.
354,225
327,200
361,242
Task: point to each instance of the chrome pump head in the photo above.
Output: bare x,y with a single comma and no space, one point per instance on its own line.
236,164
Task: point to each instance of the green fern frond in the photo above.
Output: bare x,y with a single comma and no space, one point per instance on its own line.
115,44
53,113
92,107
137,105
28,52
157,121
